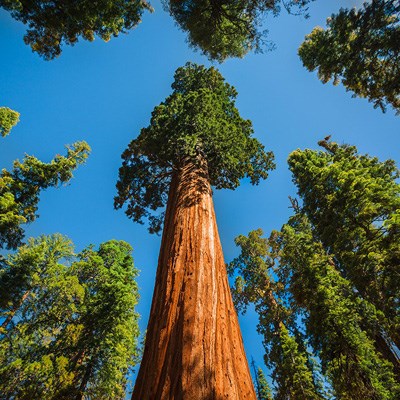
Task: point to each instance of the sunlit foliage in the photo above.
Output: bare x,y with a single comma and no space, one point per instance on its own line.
285,352
8,119
353,203
21,186
68,331
360,48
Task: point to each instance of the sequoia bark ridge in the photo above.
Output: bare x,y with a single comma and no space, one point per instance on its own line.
194,348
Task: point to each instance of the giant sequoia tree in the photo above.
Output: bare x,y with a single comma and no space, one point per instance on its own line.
54,23
196,139
361,48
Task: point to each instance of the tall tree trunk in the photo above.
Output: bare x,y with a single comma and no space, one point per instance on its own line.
193,348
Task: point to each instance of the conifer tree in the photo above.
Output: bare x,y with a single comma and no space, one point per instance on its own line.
292,371
20,189
361,48
262,388
196,138
107,345
264,392
8,119
334,322
54,23
73,332
353,203
227,28
37,298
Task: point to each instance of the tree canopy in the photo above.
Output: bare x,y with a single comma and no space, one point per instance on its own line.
197,122
310,307
54,23
336,317
8,119
227,28
70,331
20,189
362,49
353,203
334,266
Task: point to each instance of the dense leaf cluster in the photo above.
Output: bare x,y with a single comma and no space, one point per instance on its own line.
361,48
20,189
336,318
8,119
353,203
220,28
197,123
67,330
227,28
54,23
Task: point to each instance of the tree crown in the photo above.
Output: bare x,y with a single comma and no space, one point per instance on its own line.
52,23
353,203
361,48
227,28
198,121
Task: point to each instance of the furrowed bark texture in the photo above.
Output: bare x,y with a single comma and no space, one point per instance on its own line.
194,348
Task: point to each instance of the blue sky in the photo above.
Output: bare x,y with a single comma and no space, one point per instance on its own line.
104,93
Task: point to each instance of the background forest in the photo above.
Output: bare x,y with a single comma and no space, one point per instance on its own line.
103,93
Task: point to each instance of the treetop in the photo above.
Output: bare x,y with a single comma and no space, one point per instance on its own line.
198,121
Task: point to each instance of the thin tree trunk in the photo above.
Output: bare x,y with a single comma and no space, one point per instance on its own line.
12,312
85,379
193,348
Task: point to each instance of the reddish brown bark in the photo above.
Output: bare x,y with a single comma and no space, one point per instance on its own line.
194,348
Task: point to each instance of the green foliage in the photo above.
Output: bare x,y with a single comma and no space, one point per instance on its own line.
42,298
360,47
73,329
334,322
8,119
227,28
263,390
198,123
353,204
292,371
20,189
54,23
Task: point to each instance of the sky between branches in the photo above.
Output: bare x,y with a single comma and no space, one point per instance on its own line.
104,92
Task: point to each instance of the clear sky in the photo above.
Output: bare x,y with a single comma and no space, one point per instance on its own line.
104,93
